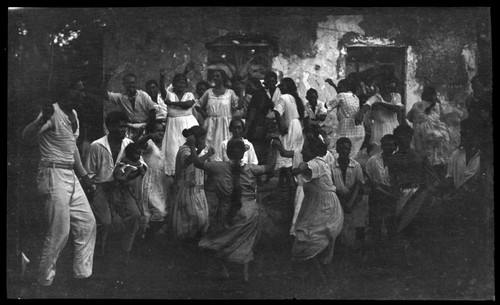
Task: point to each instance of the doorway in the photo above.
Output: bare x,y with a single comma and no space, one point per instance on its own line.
374,62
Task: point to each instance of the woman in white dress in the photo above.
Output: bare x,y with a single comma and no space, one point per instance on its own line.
179,117
289,113
219,103
154,191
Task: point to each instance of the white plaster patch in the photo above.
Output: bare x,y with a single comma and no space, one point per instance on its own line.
328,34
413,88
469,56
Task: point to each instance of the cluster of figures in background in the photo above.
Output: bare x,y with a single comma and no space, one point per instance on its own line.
151,166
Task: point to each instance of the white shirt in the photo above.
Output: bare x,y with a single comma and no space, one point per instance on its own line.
376,170
248,158
459,170
99,163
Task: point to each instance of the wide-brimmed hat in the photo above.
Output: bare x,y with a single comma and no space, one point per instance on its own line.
221,66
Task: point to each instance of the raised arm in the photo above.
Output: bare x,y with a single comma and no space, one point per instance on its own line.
163,90
392,107
189,159
143,141
194,154
331,83
41,123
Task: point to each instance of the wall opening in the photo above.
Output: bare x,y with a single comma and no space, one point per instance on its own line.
242,55
372,63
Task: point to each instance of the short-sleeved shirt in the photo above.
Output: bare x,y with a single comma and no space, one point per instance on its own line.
224,180
143,105
376,170
347,103
248,158
353,175
287,108
99,163
319,110
57,139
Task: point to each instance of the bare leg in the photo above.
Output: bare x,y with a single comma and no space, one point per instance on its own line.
225,272
102,248
319,269
406,252
245,271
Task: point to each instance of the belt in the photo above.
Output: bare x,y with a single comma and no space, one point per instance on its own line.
61,165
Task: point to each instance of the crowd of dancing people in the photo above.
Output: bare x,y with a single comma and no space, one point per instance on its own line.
353,163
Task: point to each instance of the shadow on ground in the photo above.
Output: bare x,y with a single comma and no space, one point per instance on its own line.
452,255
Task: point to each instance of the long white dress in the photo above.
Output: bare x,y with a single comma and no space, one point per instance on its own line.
294,139
154,184
219,113
321,217
383,120
177,120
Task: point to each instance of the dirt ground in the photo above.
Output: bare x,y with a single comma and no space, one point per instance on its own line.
452,259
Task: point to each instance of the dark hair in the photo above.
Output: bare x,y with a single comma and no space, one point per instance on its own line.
429,94
131,149
388,137
316,145
195,131
179,77
271,74
291,89
237,78
343,86
151,82
403,130
129,75
256,82
115,117
316,131
150,125
234,146
343,140
202,82
310,91
234,121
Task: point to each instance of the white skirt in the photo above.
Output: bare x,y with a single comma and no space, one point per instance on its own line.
293,140
173,139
